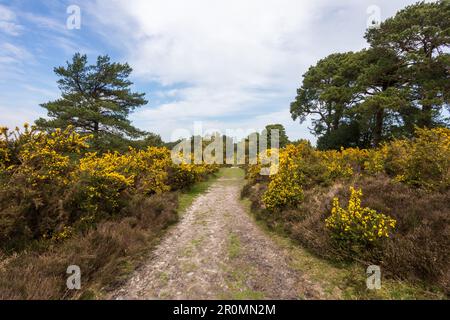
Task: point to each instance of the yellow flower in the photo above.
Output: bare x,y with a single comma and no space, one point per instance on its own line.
357,224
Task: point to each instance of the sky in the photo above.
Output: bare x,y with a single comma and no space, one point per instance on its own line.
227,64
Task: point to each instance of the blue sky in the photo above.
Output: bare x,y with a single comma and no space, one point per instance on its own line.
229,64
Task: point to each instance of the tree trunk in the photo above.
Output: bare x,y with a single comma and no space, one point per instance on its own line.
96,127
379,121
426,118
378,130
336,122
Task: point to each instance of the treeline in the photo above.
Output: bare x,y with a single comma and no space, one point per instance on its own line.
96,101
402,81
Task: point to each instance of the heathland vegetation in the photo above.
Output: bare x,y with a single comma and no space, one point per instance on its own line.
376,188
86,187
387,206
62,205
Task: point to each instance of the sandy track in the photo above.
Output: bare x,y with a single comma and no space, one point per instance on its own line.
217,252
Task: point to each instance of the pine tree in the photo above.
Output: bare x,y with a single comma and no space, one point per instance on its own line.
96,99
420,36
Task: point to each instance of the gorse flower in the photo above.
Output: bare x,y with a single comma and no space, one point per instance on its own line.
59,185
285,189
357,224
106,177
423,161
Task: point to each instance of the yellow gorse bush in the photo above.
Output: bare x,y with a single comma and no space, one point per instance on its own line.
357,224
264,164
428,163
254,172
344,163
4,150
285,189
54,184
65,233
104,178
151,169
423,161
148,171
45,158
375,160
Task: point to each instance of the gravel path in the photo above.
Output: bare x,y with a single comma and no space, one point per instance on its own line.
217,251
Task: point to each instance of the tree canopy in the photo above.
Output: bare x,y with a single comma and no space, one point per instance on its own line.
401,81
282,136
95,99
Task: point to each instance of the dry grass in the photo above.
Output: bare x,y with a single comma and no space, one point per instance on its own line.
418,250
106,254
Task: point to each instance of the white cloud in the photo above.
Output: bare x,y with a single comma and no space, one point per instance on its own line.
46,22
8,22
242,43
43,92
234,59
13,58
233,56
15,52
230,64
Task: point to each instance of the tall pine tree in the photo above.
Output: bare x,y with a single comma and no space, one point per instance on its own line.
420,36
400,82
96,99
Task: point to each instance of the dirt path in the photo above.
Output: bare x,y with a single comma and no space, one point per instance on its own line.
217,252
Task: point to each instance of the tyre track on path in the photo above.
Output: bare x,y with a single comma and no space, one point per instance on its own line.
217,251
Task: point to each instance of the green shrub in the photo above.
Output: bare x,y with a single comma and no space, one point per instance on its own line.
357,224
